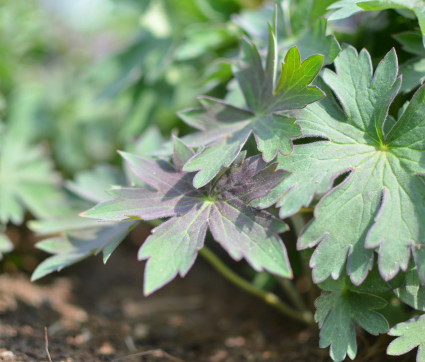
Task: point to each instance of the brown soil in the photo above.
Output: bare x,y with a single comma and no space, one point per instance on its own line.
96,312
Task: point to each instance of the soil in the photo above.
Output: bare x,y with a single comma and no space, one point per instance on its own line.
96,312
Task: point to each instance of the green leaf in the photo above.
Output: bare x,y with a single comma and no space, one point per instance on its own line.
222,207
27,181
69,250
413,72
346,8
411,42
378,200
412,293
299,23
173,247
227,128
339,307
410,335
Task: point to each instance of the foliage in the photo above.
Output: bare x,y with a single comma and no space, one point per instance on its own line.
337,151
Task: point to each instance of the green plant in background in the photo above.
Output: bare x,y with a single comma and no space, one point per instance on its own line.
337,154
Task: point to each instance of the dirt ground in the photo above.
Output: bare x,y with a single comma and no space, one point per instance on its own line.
96,312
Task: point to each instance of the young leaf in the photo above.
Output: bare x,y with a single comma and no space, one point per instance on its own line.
339,307
227,128
222,207
380,203
410,335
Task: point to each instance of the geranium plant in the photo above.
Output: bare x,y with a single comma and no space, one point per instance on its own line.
336,152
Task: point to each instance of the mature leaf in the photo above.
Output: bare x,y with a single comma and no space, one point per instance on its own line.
27,181
380,203
222,207
227,128
411,334
346,8
339,307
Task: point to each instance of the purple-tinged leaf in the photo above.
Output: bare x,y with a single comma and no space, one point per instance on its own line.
172,248
159,174
181,153
211,160
142,203
243,231
248,233
248,181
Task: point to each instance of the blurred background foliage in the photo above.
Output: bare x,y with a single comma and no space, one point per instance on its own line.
80,79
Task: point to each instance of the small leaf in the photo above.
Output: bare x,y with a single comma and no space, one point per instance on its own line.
410,335
338,308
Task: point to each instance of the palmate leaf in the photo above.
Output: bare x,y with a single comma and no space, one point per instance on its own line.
346,8
339,307
222,207
411,334
226,128
380,204
27,180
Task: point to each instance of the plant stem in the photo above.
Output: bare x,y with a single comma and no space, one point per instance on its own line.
270,298
292,293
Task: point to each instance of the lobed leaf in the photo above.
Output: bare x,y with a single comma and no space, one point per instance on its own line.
222,207
368,169
227,128
339,307
410,334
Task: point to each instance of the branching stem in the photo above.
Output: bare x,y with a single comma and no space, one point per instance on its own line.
270,298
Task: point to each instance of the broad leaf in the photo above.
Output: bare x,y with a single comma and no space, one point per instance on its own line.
339,307
346,8
380,203
226,128
222,207
411,334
